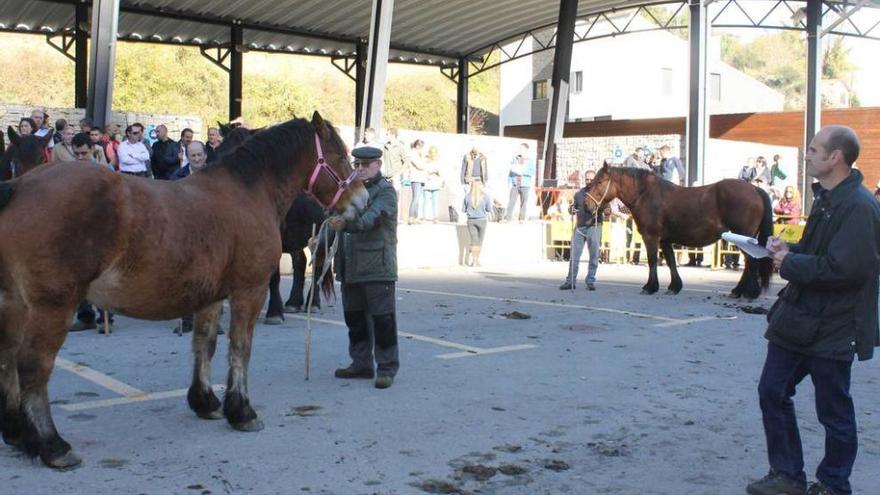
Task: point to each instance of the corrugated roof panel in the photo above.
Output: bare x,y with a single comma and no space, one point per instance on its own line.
452,27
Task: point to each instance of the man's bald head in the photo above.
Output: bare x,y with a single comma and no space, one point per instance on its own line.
840,137
197,156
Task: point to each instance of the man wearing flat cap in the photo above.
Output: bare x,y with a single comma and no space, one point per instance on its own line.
366,266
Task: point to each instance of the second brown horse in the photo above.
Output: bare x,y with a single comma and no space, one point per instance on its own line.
667,214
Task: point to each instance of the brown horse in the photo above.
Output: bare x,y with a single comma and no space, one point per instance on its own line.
24,153
667,214
74,232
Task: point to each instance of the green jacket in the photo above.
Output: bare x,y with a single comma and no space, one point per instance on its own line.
367,249
829,307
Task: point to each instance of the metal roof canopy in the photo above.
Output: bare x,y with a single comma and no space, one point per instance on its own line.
423,32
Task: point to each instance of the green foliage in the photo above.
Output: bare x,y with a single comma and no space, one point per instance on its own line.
779,61
836,63
167,79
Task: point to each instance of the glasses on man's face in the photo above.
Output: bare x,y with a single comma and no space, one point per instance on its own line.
362,163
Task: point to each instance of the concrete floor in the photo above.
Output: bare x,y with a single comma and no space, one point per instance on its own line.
598,392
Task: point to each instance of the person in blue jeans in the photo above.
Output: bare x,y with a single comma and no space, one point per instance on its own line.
417,177
522,173
586,232
824,318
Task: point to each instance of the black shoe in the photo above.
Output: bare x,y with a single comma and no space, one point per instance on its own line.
591,287
776,483
80,326
818,488
384,381
352,372
566,286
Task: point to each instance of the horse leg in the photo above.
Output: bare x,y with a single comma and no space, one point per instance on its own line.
45,330
237,408
651,248
742,284
274,313
750,278
295,301
675,282
11,425
201,396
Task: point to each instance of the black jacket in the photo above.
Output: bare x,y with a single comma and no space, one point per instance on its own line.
578,207
166,159
829,307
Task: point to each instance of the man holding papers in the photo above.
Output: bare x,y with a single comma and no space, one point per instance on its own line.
824,317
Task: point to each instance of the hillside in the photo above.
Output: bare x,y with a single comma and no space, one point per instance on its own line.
178,80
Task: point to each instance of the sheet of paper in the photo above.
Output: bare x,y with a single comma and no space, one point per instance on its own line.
749,245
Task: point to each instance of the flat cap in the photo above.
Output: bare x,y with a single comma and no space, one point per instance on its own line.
366,153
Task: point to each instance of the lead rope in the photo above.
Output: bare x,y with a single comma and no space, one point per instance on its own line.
329,254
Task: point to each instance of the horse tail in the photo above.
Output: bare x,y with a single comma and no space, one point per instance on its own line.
765,230
6,190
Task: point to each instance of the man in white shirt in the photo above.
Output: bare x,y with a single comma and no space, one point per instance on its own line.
134,157
39,117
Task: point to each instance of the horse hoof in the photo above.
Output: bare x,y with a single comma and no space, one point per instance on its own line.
273,320
66,461
249,426
646,292
292,309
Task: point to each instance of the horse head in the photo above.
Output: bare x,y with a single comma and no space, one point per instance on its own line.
24,153
602,190
332,182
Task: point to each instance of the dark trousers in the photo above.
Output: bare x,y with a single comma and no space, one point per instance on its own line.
476,231
783,371
87,313
370,315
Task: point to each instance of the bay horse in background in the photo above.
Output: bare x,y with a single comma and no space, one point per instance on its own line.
155,267
23,155
668,214
304,217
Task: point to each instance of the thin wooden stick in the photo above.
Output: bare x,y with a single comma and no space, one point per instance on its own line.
106,322
309,313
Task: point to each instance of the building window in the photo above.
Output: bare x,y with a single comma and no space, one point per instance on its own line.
576,82
539,90
715,87
666,81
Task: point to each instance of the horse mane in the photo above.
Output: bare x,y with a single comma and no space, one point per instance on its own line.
270,151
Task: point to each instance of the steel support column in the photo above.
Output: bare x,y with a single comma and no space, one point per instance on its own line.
377,64
698,35
812,120
236,50
559,84
81,57
360,80
461,112
102,60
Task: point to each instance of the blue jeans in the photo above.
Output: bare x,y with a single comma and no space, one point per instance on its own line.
783,371
430,200
416,204
591,236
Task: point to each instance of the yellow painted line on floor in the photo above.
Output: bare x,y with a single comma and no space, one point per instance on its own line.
98,378
545,303
118,401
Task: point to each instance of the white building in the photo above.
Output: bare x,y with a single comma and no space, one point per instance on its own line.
642,75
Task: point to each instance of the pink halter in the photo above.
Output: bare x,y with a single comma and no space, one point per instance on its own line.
341,185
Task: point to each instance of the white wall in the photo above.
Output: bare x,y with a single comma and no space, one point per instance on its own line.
623,77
